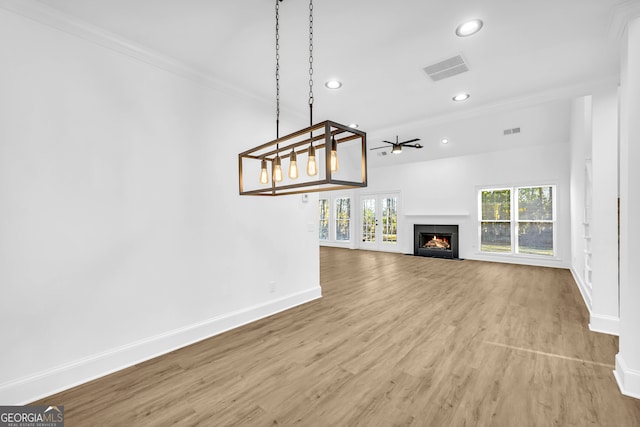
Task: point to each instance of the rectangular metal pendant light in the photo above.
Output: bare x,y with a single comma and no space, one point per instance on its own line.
350,145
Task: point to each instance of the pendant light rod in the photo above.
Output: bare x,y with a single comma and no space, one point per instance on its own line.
310,62
278,68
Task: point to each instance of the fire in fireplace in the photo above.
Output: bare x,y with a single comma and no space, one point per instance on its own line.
437,243
440,241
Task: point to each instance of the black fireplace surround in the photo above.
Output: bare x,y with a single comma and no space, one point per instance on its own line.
439,241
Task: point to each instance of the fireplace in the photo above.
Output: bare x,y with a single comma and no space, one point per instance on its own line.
439,241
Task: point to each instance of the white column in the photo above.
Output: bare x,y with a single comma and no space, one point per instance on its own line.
628,358
604,226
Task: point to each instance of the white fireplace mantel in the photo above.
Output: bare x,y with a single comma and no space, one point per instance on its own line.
437,214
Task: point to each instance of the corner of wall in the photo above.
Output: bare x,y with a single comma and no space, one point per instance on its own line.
628,379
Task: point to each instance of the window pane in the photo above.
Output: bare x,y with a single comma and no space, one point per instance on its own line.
535,203
389,220
342,230
535,238
495,237
343,218
324,219
496,205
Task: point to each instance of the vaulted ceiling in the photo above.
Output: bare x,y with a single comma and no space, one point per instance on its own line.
527,62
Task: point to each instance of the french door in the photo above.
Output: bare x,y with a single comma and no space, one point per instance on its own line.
379,222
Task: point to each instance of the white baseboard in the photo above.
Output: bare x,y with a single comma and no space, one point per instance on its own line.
604,324
59,378
628,379
585,291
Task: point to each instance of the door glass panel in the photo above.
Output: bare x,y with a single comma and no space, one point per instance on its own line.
343,218
390,220
369,220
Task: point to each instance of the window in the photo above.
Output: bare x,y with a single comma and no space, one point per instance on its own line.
323,205
518,220
343,218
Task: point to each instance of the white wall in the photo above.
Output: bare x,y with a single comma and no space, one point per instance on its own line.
444,191
122,235
627,370
604,229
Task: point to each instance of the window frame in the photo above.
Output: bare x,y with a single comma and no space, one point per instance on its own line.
515,221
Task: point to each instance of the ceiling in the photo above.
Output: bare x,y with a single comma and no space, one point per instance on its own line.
527,62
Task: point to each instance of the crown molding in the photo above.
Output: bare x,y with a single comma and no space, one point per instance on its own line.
508,104
54,18
623,12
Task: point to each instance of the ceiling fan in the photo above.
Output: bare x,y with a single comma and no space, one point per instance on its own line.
397,146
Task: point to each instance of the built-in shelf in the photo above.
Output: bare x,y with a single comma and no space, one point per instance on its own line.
437,214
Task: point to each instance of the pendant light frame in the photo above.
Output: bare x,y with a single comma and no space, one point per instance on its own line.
299,141
329,135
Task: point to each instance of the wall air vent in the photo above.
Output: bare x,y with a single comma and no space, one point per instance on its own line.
511,131
447,68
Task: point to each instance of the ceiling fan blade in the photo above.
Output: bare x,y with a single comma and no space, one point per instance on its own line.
377,148
415,146
410,141
388,142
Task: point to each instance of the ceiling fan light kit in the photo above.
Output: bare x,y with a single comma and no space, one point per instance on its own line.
396,147
319,143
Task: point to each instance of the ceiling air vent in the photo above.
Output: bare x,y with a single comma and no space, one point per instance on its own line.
382,153
511,131
447,68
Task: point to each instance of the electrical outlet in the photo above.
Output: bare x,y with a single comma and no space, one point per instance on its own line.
272,287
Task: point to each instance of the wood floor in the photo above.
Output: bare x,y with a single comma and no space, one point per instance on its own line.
396,340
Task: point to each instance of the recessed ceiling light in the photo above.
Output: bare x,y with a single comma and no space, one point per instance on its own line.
461,97
444,141
333,84
469,28
354,125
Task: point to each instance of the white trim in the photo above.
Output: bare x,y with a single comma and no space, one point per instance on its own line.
585,291
623,13
597,322
432,214
538,261
604,324
63,377
628,379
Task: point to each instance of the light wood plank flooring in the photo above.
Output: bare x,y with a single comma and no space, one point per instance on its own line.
396,340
